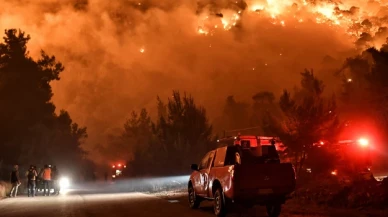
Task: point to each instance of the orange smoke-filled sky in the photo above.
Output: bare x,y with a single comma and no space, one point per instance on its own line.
120,54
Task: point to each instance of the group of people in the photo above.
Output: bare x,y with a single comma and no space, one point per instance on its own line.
47,178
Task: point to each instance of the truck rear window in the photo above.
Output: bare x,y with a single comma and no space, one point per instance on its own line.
269,151
250,155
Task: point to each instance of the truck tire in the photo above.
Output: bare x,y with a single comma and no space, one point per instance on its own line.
194,201
219,203
273,210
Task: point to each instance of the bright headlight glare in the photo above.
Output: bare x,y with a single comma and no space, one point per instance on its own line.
64,183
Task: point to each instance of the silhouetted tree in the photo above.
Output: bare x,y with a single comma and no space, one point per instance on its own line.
235,115
264,97
186,134
309,117
365,89
31,132
364,99
162,109
265,112
137,138
180,136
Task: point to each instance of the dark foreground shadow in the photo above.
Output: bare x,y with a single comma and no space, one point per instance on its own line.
257,211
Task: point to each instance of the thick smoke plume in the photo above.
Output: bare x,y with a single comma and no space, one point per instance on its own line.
120,54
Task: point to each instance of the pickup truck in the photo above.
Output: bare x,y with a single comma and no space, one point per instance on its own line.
242,175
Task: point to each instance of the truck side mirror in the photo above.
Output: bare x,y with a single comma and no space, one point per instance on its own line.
194,167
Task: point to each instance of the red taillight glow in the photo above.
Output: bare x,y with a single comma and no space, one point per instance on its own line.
334,172
113,166
119,165
363,142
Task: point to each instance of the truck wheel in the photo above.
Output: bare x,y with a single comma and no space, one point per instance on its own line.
194,201
219,203
274,210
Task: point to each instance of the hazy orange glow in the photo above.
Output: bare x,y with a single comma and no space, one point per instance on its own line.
119,55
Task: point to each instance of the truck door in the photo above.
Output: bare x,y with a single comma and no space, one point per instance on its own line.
204,169
197,175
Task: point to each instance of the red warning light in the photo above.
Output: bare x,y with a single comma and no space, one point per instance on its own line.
119,165
321,143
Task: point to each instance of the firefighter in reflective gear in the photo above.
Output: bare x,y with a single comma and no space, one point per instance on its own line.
31,181
46,176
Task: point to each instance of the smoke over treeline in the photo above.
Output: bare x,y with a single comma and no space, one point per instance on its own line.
120,54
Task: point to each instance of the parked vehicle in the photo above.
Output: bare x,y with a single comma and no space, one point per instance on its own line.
119,171
242,172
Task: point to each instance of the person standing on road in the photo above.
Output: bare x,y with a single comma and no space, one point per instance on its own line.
15,181
39,180
106,176
46,175
31,181
55,176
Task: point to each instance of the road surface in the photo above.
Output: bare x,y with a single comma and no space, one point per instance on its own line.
101,205
93,203
98,205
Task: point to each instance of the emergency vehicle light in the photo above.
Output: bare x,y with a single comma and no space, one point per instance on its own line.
363,142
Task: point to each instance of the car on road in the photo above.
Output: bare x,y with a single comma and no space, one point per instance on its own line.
242,172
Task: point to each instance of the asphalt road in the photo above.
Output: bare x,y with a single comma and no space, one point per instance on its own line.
99,203
90,205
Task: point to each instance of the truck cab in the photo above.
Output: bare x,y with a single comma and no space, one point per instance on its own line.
245,172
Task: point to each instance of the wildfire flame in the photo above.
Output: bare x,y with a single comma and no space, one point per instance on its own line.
352,17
